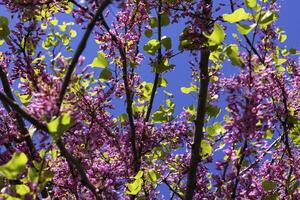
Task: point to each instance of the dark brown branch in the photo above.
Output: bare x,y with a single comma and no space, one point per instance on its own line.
20,123
79,51
70,158
201,112
199,123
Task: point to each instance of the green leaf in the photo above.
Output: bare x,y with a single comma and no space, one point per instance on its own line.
245,29
53,22
282,38
165,21
22,189
100,61
269,185
167,42
152,176
148,33
271,197
69,8
162,82
59,125
293,51
266,18
206,149
134,187
4,29
33,175
15,166
25,98
295,134
213,111
151,47
232,51
139,175
73,33
280,61
237,16
250,3
214,130
187,90
217,36
269,134
105,75
162,67
4,20
123,117
153,22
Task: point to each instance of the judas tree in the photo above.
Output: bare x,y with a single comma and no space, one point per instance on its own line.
78,128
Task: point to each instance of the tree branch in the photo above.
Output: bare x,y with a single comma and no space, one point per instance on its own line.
20,123
79,51
69,157
129,97
201,112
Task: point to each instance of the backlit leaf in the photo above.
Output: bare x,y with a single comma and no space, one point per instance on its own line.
237,16
15,166
100,61
217,36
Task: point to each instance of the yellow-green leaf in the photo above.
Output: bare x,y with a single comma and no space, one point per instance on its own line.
237,16
100,61
22,189
250,3
15,166
187,90
244,29
232,52
59,125
217,36
206,148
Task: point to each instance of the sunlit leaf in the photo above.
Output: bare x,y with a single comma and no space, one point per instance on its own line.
100,61
206,148
152,46
217,36
187,90
232,51
15,166
237,16
22,189
244,29
250,3
59,125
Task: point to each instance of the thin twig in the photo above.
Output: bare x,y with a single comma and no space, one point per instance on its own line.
79,51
